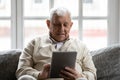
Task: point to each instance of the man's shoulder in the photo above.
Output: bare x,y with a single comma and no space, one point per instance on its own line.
77,42
42,37
38,39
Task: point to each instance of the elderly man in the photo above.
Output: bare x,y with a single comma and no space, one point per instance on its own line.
35,58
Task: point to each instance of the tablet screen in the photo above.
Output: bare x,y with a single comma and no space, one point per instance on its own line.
60,60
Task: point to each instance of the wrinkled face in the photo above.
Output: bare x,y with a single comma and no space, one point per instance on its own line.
60,27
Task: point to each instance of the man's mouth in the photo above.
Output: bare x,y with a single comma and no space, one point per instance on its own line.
61,34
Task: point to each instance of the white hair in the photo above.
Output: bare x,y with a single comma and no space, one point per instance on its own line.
60,11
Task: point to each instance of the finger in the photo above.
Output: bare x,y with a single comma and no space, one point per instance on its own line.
46,67
70,75
64,76
73,71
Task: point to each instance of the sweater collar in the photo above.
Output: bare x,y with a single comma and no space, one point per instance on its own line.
55,42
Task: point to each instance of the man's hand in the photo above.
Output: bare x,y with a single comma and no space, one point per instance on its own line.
70,74
45,73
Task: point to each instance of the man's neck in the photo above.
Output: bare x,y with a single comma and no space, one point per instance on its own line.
54,41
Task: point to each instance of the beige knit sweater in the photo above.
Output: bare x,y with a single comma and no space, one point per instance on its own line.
39,51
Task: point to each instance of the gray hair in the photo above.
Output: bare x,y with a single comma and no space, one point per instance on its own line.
61,11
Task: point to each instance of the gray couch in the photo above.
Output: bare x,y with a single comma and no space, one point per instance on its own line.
8,64
106,60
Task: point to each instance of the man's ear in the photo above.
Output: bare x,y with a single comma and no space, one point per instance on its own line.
48,23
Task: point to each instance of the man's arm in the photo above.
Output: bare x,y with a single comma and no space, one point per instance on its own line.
89,70
25,65
85,68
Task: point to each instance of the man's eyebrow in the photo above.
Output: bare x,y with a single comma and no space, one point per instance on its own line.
66,23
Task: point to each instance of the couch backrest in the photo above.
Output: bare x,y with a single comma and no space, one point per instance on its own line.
107,62
8,64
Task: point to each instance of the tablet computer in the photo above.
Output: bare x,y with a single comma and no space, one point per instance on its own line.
60,60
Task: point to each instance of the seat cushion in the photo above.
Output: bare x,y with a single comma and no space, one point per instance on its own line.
8,64
107,62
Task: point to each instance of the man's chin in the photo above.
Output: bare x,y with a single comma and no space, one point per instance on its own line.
61,39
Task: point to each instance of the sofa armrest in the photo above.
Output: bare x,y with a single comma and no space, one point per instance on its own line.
8,64
107,62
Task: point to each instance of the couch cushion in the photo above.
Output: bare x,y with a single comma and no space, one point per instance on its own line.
8,64
107,62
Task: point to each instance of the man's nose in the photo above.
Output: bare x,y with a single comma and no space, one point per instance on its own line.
62,27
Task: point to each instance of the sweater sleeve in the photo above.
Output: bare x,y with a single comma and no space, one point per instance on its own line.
89,70
25,64
85,65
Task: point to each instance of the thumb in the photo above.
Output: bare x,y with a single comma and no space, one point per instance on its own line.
46,67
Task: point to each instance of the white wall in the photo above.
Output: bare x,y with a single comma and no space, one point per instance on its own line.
113,22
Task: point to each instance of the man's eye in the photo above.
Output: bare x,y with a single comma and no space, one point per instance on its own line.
65,25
